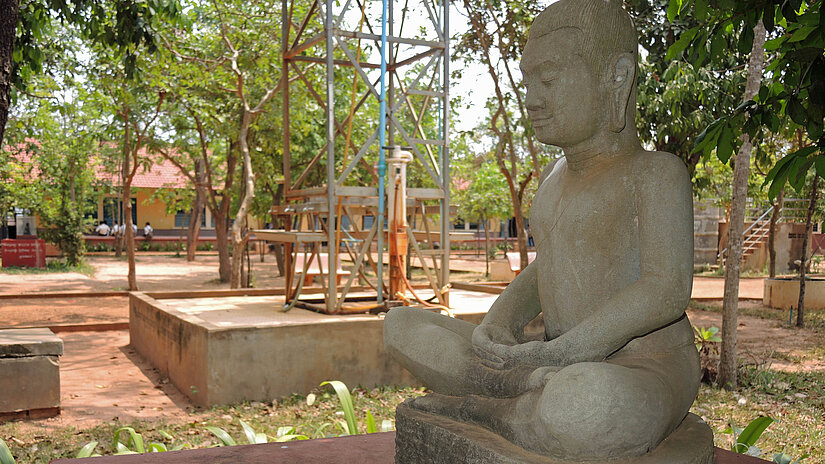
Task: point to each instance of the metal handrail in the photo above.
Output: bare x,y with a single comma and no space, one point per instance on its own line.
745,233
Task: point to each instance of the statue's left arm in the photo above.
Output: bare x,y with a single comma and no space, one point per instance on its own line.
659,297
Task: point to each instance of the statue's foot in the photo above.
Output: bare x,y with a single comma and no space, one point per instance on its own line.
510,383
442,405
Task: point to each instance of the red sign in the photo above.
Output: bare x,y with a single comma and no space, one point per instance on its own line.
24,253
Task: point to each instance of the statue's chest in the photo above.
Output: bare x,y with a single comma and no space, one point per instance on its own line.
584,214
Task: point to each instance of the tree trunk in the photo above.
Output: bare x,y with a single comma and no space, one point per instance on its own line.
238,232
8,29
777,211
222,239
486,247
730,304
277,223
803,262
129,235
521,235
197,212
127,173
194,230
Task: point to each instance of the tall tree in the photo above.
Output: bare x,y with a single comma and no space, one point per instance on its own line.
232,47
794,87
803,262
733,263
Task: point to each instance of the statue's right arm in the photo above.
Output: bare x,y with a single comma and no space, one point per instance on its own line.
510,313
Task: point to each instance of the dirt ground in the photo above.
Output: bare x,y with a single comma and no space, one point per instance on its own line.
103,379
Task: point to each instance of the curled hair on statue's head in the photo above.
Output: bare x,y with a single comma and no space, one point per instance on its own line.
604,29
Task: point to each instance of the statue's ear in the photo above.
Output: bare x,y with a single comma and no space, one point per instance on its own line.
622,80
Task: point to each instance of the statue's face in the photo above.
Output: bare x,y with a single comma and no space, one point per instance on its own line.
562,89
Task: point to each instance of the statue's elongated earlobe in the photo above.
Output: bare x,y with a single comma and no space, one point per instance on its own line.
623,78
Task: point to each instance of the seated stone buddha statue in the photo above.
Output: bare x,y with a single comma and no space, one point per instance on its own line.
615,370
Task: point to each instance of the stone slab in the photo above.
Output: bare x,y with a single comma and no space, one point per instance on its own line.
376,448
28,383
29,342
424,437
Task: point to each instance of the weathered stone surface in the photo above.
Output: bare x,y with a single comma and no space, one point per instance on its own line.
27,383
427,438
29,342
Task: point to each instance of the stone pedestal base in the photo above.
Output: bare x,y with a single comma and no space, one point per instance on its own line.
423,437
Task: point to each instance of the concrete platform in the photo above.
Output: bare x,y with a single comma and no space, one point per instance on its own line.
783,293
376,448
222,350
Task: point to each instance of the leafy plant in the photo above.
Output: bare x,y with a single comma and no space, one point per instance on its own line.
5,453
744,440
705,338
706,341
351,424
134,444
253,438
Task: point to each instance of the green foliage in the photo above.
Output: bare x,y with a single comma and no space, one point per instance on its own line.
5,454
745,439
350,426
346,405
478,188
223,436
705,336
134,444
792,93
127,26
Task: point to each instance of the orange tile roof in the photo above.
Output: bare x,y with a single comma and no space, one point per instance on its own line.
160,174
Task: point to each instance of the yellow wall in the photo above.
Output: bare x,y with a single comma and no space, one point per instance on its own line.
153,211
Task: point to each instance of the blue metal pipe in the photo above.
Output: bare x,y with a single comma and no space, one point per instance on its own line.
382,163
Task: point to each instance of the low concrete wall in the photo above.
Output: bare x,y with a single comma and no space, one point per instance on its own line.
784,293
212,364
173,342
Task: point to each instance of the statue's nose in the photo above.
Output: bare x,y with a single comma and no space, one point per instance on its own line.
533,100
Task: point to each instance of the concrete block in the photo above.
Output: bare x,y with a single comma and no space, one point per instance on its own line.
29,342
29,383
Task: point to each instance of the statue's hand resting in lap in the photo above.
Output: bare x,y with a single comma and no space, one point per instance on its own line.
487,340
499,349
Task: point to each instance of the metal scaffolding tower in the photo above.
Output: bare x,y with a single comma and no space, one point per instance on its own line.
394,61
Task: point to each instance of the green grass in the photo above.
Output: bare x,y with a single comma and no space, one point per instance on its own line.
795,400
52,267
35,445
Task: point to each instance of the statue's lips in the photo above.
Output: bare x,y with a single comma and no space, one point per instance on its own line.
542,121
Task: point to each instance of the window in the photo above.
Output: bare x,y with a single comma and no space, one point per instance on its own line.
113,210
182,219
